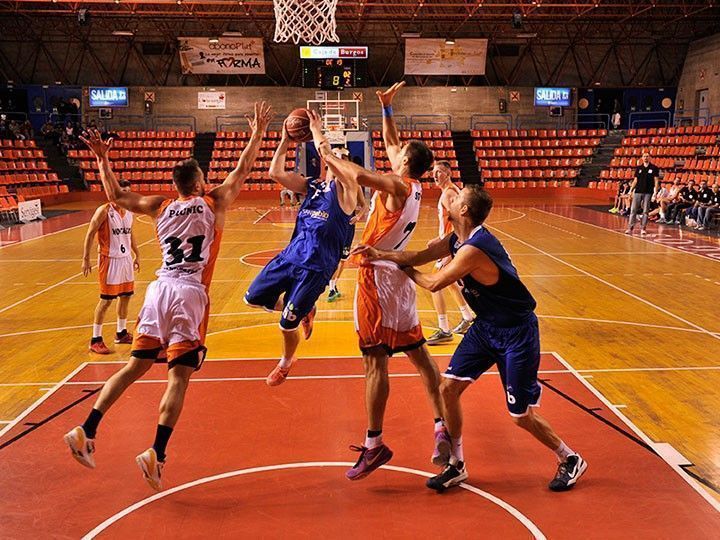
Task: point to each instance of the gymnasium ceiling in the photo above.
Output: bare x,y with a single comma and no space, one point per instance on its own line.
579,42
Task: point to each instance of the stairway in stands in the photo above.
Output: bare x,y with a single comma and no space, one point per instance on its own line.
465,153
604,153
203,149
59,163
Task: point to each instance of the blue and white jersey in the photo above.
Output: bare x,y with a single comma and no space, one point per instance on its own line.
320,231
507,303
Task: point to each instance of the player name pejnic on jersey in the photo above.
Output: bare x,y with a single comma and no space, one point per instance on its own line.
197,209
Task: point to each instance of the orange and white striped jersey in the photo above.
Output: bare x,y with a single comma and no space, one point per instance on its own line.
114,233
393,230
189,238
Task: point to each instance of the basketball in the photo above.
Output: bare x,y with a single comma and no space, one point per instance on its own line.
298,126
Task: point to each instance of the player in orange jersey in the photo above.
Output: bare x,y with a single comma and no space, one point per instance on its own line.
174,315
386,317
118,256
442,174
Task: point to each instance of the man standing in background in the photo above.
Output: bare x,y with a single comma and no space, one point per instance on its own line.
646,184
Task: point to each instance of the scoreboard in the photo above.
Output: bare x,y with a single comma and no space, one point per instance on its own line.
334,68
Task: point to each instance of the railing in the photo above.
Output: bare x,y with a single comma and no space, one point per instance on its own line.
443,121
476,121
18,116
524,121
374,121
650,117
175,122
590,120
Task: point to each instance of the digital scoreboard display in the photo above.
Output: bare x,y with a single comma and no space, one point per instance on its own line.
334,68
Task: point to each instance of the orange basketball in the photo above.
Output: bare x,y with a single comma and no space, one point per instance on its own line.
298,126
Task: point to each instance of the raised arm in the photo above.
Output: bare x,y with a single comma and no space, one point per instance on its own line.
391,137
468,260
134,202
434,251
135,250
293,181
97,220
228,191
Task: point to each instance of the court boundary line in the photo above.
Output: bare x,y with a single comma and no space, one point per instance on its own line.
623,234
42,399
612,285
639,432
514,512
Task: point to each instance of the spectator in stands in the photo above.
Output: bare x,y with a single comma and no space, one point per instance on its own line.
27,130
645,185
705,196
665,196
687,197
663,192
622,199
706,214
5,132
616,120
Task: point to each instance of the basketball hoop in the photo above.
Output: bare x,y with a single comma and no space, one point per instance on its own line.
310,21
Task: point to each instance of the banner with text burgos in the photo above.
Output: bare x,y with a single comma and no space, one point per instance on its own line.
224,56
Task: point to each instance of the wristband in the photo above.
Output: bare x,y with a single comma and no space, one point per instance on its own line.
387,111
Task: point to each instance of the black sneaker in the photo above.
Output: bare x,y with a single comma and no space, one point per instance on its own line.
568,472
452,475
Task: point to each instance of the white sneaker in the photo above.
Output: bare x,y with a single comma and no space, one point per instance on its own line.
81,446
151,468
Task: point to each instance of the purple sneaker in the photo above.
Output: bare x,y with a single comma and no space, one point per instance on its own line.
441,454
369,460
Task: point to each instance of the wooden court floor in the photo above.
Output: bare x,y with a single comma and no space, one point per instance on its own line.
638,319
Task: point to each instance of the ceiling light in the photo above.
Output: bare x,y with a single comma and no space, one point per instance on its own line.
449,41
232,34
213,40
410,34
126,33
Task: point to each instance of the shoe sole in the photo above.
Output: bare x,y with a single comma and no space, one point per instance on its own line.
146,474
450,483
439,342
367,473
573,481
443,454
76,454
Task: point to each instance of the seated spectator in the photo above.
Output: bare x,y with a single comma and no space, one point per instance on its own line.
622,199
671,194
662,193
686,198
705,196
707,213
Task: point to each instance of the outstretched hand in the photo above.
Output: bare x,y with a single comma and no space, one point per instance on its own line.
262,117
315,121
387,96
95,143
369,253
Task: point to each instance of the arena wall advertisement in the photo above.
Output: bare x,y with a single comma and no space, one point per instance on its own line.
229,56
437,57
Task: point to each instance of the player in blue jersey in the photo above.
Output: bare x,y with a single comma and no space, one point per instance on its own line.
505,331
294,280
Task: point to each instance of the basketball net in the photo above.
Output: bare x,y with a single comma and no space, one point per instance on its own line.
309,21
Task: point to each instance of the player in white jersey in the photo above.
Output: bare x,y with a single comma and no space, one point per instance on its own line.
386,317
442,174
173,319
118,257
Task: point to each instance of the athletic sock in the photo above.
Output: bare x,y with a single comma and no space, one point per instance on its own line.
439,424
373,439
456,448
443,323
121,325
563,452
285,362
467,313
97,331
333,284
162,436
91,424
